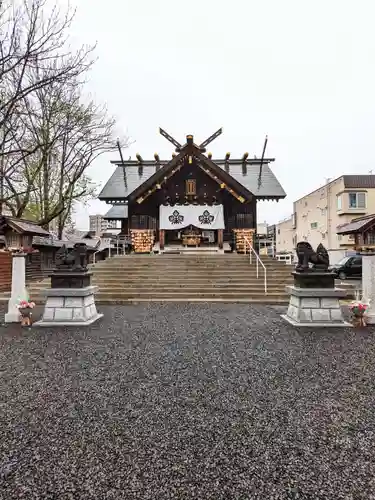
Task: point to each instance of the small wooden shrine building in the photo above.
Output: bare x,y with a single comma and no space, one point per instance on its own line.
363,230
190,200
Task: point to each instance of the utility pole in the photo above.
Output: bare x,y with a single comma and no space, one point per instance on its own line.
2,163
328,212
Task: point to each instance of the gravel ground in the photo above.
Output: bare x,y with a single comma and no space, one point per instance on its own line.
205,401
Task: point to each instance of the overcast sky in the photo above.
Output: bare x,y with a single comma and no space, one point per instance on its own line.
301,72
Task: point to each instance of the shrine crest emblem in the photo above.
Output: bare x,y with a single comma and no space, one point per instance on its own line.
176,218
206,218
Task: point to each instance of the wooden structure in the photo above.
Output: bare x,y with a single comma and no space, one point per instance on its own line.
48,247
19,233
138,188
363,230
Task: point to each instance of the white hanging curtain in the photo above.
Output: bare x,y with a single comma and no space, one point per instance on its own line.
201,216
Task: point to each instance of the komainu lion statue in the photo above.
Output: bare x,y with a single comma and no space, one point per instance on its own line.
306,256
74,259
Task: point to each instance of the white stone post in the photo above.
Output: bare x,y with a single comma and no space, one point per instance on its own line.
368,286
18,288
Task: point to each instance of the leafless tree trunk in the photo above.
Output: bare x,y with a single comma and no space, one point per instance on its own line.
70,136
33,34
34,55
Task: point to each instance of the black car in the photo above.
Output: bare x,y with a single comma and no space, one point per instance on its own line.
348,267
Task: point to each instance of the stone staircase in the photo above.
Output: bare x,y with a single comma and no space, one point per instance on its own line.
185,278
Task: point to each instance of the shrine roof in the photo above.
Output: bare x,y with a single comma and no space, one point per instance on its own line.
117,212
131,175
357,225
25,227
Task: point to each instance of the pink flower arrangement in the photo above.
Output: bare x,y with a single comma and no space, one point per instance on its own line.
358,310
25,304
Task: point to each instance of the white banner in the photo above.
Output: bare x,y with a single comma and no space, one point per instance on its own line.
201,216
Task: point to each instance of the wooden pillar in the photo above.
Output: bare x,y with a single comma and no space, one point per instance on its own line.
220,238
161,238
124,226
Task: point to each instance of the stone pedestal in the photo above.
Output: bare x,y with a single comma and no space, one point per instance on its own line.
70,301
368,286
18,288
315,302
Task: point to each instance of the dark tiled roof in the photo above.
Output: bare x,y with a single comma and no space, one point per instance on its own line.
356,225
359,181
247,176
47,241
25,226
69,243
77,234
117,212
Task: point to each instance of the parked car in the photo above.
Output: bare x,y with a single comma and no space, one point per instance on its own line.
348,267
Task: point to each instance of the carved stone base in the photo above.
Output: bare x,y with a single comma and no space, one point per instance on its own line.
70,279
314,279
315,307
70,307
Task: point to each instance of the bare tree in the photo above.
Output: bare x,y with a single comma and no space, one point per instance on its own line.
34,54
69,135
48,136
33,34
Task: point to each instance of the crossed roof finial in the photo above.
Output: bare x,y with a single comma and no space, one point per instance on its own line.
189,139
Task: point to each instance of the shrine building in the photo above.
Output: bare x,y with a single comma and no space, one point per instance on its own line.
191,200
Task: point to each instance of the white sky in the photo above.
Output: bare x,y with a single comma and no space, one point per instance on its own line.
301,72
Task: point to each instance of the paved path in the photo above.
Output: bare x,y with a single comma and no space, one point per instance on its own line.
187,402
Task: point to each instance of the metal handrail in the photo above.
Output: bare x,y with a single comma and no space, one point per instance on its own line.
100,249
258,260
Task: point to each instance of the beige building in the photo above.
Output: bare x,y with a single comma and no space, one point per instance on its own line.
101,225
317,216
285,235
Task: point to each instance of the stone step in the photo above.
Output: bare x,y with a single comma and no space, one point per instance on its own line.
186,283
191,258
121,288
248,290
173,262
183,293
190,270
278,300
192,276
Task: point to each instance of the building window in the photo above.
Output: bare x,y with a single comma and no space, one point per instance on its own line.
351,237
370,238
278,231
323,210
339,237
357,200
191,187
339,202
314,225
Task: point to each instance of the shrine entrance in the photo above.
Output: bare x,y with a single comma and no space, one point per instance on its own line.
192,237
197,226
